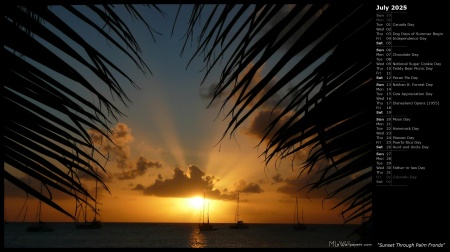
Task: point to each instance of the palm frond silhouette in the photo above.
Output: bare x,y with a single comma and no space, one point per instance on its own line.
37,81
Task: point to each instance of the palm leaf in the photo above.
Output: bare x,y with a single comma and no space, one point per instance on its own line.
46,132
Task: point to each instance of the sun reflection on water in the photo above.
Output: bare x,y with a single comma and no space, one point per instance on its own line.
197,239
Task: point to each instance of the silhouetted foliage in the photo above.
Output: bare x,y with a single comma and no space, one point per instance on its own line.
40,78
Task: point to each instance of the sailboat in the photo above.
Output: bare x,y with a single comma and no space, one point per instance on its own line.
40,226
297,224
94,224
205,226
239,223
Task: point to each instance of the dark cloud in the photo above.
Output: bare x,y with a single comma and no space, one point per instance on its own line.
183,184
259,124
119,149
272,101
263,181
243,186
294,187
299,186
103,176
142,165
277,178
207,93
192,183
139,187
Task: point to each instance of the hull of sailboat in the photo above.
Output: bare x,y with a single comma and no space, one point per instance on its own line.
239,226
206,227
90,225
300,226
40,227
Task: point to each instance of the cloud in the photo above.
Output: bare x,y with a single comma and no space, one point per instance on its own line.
277,178
258,126
192,183
207,93
294,187
299,186
142,165
119,151
251,187
258,76
182,184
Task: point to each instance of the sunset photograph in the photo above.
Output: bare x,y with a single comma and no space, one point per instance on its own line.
143,125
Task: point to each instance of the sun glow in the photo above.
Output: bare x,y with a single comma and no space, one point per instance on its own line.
196,202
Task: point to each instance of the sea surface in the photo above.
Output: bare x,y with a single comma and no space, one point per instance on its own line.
179,235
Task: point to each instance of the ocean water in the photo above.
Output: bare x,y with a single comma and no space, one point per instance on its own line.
179,235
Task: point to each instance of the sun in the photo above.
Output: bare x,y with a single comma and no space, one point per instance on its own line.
196,202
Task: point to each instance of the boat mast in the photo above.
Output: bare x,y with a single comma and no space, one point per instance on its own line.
237,208
302,217
203,218
85,209
40,206
208,212
95,204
